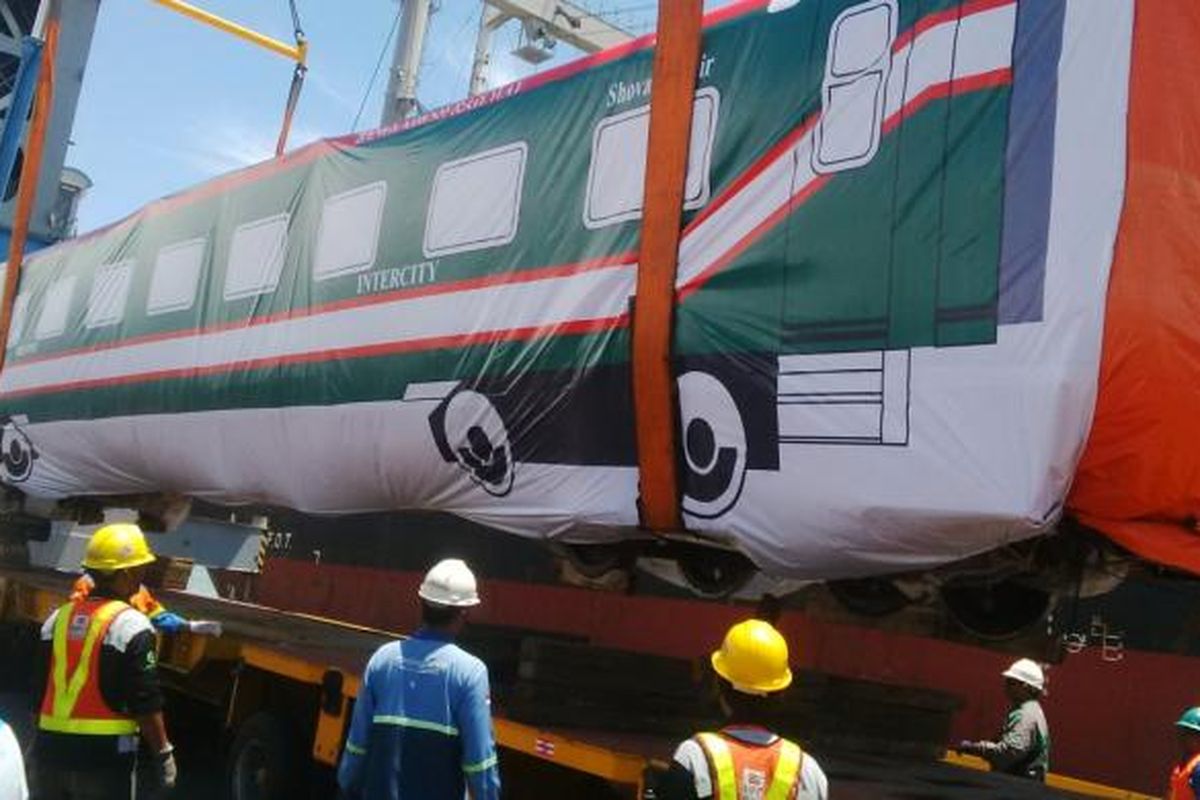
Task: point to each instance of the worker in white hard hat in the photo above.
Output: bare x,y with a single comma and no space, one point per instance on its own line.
1023,747
422,726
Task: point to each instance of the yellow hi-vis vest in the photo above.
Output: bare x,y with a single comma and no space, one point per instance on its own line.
73,702
730,761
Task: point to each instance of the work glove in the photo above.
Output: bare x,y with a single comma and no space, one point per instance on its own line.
168,622
205,627
165,769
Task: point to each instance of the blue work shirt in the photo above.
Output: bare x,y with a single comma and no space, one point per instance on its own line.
422,727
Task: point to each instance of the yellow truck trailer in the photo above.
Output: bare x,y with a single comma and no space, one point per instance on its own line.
278,688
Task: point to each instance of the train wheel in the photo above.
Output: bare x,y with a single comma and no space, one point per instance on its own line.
715,573
996,610
868,597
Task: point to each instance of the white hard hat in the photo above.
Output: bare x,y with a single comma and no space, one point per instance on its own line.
450,583
1027,672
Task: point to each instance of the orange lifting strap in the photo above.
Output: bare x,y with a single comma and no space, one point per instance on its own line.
676,59
27,188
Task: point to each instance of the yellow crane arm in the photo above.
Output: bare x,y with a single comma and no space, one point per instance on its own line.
297,52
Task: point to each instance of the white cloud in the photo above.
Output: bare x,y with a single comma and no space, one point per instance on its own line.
220,146
326,88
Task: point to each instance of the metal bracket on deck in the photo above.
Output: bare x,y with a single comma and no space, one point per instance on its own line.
205,542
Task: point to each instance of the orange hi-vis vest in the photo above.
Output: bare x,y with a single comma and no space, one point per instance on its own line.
740,770
73,702
1181,776
142,600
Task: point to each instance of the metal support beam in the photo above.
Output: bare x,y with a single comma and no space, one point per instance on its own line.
489,21
77,21
43,104
207,542
566,22
560,21
401,96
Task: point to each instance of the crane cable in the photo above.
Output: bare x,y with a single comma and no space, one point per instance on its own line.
378,63
297,80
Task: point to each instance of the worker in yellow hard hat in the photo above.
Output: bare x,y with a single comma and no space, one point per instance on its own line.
101,687
744,758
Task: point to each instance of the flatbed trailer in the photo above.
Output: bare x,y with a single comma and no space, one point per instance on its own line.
281,687
276,679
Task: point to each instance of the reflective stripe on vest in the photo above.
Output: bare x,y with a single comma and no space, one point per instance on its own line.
410,722
725,767
63,692
787,771
720,759
1181,780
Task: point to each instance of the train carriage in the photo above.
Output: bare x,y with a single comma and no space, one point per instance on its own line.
890,287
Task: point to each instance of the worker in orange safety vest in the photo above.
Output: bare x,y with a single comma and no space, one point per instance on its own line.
744,759
1185,777
99,685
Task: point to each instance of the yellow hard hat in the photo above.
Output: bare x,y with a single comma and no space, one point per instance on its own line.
118,546
754,658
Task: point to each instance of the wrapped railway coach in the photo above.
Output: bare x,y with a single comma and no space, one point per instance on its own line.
897,236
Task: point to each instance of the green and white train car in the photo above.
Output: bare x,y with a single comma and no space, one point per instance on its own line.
899,218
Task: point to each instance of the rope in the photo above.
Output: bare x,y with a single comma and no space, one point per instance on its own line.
296,21
378,63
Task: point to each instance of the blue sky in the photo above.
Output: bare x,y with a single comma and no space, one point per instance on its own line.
168,103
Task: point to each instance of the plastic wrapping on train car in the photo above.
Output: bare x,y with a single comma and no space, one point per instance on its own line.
898,224
1139,481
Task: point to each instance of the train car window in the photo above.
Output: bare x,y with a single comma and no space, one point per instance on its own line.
256,257
476,201
19,315
349,231
109,294
56,306
176,276
858,61
617,173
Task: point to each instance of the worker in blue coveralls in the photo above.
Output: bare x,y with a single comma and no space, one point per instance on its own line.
422,727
